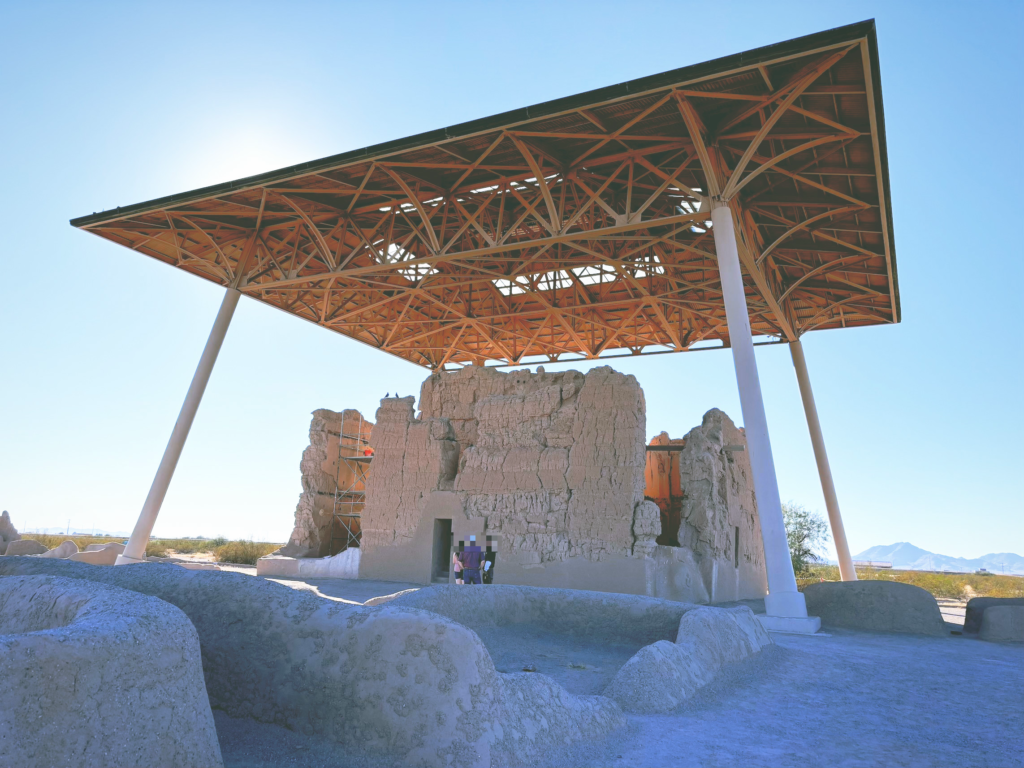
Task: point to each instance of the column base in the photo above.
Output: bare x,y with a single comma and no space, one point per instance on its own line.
785,604
125,560
807,625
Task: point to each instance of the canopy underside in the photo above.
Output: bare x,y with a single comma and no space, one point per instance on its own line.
578,228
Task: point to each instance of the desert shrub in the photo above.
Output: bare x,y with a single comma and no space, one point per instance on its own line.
806,533
51,540
187,546
156,548
244,552
171,547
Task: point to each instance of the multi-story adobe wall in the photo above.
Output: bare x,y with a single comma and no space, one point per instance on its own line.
549,470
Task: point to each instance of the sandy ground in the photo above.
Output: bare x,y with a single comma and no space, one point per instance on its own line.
577,665
843,698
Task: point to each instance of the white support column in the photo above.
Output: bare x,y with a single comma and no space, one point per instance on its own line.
828,488
135,551
784,605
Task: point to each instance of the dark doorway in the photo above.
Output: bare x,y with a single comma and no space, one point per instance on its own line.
442,559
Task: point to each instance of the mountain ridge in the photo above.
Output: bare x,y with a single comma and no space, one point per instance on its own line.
905,555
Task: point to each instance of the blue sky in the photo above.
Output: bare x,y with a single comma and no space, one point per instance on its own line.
107,104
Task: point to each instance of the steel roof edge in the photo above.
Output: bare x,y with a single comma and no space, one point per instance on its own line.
849,32
883,151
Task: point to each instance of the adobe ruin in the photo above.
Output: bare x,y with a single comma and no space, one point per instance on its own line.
552,471
333,470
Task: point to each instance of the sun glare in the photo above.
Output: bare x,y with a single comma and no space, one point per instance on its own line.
241,152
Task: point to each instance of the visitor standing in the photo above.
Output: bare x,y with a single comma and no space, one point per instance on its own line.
488,572
471,557
457,565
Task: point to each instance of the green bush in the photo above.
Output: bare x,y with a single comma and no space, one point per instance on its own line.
171,547
156,548
244,552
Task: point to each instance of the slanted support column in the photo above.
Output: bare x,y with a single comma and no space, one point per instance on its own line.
135,551
828,488
783,599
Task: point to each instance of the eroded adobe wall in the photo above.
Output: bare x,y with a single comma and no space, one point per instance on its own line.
719,511
412,458
551,467
8,532
553,461
322,474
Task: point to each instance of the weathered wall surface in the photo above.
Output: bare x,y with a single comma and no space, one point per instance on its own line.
412,458
322,474
553,461
719,511
96,675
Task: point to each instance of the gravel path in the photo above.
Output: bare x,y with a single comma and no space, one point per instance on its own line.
849,699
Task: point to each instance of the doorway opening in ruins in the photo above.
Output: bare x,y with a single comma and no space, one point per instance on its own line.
442,560
661,476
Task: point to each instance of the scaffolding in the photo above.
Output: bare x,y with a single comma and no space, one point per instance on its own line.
352,470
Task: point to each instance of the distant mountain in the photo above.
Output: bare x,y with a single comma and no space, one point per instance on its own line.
906,555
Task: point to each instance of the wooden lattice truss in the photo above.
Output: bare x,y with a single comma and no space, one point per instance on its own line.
577,227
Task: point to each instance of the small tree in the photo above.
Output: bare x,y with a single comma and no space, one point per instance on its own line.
807,534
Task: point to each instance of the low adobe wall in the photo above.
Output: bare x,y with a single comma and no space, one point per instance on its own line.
663,675
684,645
595,615
96,675
875,606
414,686
1003,624
976,607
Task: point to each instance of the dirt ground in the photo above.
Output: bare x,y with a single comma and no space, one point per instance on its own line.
953,611
840,698
579,666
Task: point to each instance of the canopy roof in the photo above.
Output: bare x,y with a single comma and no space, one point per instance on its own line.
577,227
